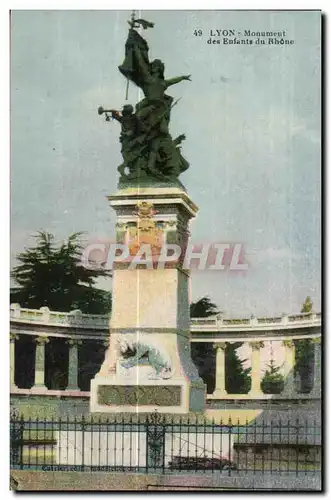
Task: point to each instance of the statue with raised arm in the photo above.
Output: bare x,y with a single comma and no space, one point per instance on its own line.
148,150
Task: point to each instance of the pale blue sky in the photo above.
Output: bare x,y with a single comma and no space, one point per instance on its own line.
251,116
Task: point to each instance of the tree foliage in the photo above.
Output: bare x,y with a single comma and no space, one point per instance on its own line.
204,358
237,378
53,276
203,354
304,354
307,306
272,381
203,308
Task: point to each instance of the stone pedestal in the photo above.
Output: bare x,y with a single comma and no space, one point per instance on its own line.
148,364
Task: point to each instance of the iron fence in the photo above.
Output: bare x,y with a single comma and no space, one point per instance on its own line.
166,444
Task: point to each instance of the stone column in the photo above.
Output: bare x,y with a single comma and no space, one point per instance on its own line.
255,369
289,365
220,370
39,375
13,337
316,392
73,365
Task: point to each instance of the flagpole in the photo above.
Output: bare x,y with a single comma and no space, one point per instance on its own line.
127,89
133,16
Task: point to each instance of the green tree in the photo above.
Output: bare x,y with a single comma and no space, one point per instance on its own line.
304,354
307,306
53,276
204,356
202,353
272,381
203,308
237,378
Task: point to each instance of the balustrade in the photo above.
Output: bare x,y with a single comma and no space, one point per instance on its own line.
217,323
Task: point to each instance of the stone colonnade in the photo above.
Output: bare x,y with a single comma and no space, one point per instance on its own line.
39,372
220,347
289,364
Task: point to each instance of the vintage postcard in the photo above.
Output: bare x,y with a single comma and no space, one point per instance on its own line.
165,317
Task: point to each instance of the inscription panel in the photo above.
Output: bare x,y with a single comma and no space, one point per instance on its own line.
142,395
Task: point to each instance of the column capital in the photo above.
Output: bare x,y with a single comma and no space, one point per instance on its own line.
13,337
219,345
256,345
41,340
73,342
288,343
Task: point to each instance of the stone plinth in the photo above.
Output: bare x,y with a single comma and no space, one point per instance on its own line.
148,364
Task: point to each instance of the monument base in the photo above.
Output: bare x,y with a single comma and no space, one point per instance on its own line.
148,365
117,395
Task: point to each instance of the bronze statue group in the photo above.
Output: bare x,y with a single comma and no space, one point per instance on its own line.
148,150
